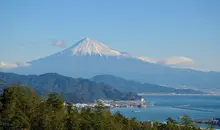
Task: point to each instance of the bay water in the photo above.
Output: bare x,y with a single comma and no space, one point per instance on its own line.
160,107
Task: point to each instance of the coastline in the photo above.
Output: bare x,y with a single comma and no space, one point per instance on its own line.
174,94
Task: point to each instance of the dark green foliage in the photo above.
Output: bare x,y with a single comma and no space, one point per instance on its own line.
186,120
210,127
22,109
18,107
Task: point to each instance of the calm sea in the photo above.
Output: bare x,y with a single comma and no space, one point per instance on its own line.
161,107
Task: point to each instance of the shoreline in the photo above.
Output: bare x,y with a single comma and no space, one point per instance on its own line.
172,94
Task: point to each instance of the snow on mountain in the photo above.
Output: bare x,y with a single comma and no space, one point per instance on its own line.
88,47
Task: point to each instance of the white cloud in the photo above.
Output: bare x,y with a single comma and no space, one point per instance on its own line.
59,44
146,59
6,65
176,61
23,64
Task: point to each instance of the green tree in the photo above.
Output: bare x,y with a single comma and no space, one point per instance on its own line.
71,119
18,107
170,120
155,125
50,113
210,127
55,104
171,124
99,107
22,109
186,120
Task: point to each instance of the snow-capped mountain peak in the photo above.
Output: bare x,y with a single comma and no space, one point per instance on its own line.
90,47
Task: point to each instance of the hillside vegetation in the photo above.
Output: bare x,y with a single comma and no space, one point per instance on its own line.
73,89
22,109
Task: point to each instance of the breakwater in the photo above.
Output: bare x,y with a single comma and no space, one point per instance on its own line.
187,107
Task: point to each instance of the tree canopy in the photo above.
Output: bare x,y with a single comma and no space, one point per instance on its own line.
22,109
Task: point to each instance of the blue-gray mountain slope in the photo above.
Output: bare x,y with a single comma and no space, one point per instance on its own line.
88,58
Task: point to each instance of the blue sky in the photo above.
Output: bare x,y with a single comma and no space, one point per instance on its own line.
156,29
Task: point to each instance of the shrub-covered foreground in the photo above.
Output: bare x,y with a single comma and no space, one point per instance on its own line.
22,109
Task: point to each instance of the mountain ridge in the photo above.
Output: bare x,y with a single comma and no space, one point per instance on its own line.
74,90
90,62
137,87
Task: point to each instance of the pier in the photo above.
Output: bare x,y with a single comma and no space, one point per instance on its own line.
214,121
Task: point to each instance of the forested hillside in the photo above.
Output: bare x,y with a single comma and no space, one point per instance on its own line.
22,109
73,89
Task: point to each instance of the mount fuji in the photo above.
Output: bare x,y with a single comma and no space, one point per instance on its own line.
90,57
89,47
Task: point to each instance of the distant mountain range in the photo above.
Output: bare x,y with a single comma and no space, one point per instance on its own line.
89,57
74,90
137,87
84,90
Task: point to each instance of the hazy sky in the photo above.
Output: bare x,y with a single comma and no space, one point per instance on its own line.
30,29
